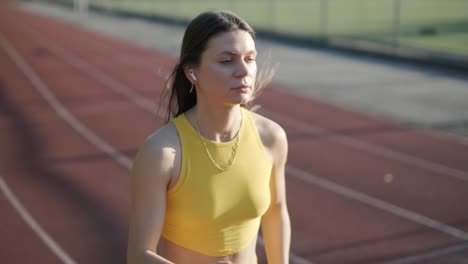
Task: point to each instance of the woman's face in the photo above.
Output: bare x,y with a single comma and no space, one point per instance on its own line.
227,69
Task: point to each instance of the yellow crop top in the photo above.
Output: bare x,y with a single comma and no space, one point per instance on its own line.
213,212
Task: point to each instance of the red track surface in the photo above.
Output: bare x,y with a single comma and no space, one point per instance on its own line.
78,194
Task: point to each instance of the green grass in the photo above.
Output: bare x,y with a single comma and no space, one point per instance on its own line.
446,21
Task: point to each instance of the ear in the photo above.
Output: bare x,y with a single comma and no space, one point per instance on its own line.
191,77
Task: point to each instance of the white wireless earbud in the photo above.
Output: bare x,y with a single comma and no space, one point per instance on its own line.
192,74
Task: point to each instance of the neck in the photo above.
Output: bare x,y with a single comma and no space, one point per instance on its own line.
221,124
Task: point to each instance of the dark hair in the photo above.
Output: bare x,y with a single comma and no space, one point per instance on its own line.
176,95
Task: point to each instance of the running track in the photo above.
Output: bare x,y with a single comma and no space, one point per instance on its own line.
75,106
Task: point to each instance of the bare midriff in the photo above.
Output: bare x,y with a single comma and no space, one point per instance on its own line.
181,255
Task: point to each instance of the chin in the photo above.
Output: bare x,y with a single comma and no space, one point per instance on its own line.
241,99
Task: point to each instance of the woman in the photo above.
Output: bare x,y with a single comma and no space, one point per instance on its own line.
204,183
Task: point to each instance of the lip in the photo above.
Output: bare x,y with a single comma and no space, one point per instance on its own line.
242,87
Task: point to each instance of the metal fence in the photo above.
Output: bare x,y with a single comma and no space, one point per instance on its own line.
431,24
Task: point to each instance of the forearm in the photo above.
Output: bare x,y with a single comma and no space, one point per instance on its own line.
276,231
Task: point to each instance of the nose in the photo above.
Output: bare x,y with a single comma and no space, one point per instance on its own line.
242,69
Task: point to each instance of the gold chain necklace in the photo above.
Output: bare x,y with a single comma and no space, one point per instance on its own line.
233,152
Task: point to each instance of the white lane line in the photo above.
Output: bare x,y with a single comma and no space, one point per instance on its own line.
26,216
22,211
377,203
428,255
63,113
371,148
68,117
148,105
104,79
59,108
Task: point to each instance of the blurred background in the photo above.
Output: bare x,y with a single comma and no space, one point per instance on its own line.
372,94
426,24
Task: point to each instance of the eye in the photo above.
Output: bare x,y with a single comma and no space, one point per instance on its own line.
250,59
227,60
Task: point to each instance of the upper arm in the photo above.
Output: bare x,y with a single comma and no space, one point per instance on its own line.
279,151
150,176
275,142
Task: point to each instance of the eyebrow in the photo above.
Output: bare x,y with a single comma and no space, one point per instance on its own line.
227,52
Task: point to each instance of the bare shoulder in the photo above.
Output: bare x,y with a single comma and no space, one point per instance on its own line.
157,154
272,135
151,174
166,136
